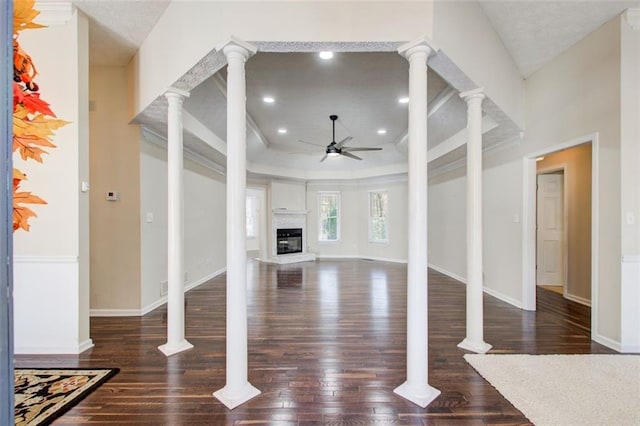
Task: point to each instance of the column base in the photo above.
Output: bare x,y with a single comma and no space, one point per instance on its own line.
477,347
174,349
421,398
231,401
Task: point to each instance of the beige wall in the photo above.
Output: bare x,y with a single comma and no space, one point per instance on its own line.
115,166
576,163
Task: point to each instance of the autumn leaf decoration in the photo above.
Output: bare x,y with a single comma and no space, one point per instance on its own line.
34,124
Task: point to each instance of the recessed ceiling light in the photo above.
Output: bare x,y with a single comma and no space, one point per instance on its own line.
268,100
282,131
326,55
403,100
382,131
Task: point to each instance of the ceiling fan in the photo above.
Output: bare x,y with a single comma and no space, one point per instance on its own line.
336,149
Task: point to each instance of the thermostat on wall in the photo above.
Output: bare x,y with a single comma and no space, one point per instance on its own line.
112,196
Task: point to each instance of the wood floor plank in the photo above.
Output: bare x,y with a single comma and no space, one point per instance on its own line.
327,345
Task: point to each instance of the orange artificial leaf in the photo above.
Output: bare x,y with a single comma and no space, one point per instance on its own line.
23,15
27,149
18,176
39,124
18,95
34,104
21,214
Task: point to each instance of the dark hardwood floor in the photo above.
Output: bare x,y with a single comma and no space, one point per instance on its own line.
326,346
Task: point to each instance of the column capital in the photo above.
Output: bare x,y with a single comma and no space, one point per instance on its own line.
233,44
473,94
632,15
173,93
420,45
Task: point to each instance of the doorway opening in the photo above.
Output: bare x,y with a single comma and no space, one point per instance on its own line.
560,232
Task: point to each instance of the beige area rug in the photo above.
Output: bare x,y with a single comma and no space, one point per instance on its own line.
567,389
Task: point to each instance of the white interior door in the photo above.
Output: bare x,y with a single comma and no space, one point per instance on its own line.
550,232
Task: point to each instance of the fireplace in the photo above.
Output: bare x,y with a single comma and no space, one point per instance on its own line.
289,240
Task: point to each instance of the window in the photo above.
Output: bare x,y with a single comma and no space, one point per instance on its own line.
328,216
252,216
378,226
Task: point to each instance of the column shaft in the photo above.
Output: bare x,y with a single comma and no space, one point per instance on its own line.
474,339
175,232
416,388
237,389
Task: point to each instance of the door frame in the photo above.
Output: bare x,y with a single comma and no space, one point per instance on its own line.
529,222
564,167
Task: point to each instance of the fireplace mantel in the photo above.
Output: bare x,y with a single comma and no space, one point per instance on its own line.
285,218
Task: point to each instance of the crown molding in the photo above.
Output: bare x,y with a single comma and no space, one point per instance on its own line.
54,13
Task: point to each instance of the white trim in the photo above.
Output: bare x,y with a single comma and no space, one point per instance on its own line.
45,259
503,297
630,259
632,15
630,349
339,215
360,257
286,211
153,305
577,299
54,13
443,271
529,217
87,344
605,341
369,217
55,350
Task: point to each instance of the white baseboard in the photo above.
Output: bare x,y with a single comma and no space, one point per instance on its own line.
358,257
489,291
578,299
54,350
503,297
605,341
443,271
150,307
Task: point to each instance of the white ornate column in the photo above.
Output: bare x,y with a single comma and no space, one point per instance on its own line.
237,389
474,341
416,389
175,238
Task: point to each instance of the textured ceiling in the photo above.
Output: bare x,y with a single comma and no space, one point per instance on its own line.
535,32
361,88
118,27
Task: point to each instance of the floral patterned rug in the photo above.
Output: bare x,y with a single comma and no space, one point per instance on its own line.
43,394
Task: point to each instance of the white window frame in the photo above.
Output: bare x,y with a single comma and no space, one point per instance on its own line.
338,218
370,217
253,214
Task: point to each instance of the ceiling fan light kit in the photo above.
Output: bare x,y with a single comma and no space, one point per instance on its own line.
337,149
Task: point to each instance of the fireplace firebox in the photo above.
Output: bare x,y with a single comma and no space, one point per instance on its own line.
289,240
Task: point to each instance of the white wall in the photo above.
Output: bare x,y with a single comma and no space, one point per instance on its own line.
575,95
55,252
464,33
354,216
630,194
204,223
189,30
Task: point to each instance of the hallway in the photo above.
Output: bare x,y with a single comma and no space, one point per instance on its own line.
326,344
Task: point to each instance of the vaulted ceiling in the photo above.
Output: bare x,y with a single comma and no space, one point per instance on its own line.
363,89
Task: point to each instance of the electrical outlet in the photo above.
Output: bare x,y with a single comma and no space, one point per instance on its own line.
164,288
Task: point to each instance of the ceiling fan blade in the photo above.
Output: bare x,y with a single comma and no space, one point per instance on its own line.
343,141
360,149
309,143
350,155
323,158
